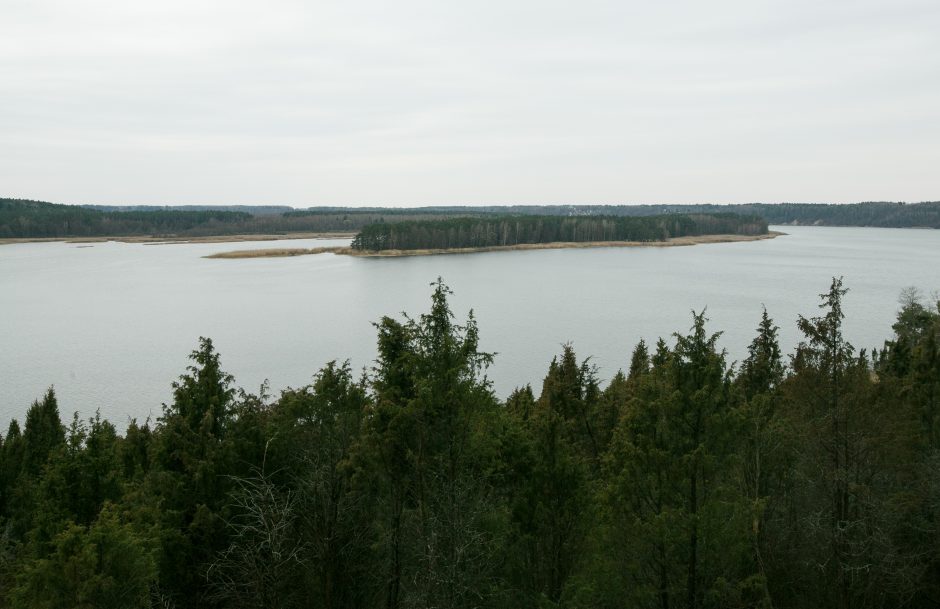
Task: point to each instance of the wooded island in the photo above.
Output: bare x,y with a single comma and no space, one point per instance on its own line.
484,232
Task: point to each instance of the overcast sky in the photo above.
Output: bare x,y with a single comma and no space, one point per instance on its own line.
474,102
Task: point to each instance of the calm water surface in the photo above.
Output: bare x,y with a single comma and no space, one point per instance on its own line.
110,325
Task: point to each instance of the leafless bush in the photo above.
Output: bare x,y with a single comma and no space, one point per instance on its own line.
260,564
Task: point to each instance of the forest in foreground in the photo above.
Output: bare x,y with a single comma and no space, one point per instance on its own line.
807,481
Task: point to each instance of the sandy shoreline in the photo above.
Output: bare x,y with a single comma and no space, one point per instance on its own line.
348,251
151,240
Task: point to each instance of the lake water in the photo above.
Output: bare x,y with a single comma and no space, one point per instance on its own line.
110,325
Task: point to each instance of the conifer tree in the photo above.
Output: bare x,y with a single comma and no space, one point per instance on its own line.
42,434
550,504
521,402
429,397
639,361
192,462
11,462
846,524
668,491
760,456
314,431
105,565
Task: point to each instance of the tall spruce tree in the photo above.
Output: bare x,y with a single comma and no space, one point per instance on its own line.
427,460
550,506
760,455
42,434
189,478
849,471
668,493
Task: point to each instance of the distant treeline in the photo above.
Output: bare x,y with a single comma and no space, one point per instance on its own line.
808,481
21,218
255,210
392,212
884,215
877,214
494,231
36,219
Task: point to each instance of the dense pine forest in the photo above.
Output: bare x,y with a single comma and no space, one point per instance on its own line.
496,231
25,219
807,481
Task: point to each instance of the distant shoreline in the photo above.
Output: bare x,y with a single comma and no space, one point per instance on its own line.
152,240
348,251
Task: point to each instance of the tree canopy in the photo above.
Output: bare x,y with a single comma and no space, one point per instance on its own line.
801,481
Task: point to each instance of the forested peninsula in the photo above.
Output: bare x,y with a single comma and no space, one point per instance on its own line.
687,481
25,219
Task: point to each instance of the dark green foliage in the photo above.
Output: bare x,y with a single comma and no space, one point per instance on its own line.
135,451
314,432
43,433
521,403
11,464
29,454
556,461
761,456
425,461
670,504
909,383
80,476
912,361
639,361
191,464
850,494
492,231
105,565
679,484
202,398
762,371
